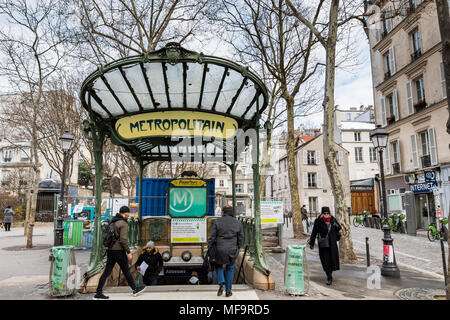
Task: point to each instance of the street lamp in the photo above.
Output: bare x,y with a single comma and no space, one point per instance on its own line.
65,142
379,139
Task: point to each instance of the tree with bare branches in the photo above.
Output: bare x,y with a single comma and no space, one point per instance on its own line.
32,51
264,35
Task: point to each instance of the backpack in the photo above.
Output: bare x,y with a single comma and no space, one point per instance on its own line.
109,237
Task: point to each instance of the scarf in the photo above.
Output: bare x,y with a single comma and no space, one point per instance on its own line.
327,220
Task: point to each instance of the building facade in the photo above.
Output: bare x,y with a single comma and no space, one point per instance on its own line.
313,183
411,103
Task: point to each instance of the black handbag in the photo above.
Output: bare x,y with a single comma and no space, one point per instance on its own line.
323,242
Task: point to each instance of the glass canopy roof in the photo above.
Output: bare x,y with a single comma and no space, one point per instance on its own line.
174,79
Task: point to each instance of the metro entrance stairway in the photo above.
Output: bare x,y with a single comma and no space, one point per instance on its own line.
182,292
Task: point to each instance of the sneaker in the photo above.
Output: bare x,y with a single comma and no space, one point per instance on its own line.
100,296
228,294
220,291
138,290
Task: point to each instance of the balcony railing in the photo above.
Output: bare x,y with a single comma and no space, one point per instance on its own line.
419,106
416,55
390,120
396,168
426,161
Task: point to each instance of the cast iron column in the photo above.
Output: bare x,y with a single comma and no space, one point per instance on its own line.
59,231
389,267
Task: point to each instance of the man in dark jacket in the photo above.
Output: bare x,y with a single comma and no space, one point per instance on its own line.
152,258
327,225
119,253
227,235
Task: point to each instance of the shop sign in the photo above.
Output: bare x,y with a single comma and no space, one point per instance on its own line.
425,187
176,123
430,176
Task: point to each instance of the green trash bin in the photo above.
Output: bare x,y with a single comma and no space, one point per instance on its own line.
296,271
63,271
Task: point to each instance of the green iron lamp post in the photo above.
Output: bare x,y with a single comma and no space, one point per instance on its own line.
65,142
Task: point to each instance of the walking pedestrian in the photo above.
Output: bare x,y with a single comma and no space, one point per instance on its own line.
154,264
304,212
119,253
227,235
326,227
8,218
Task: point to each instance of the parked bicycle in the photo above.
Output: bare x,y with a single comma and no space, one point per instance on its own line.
395,221
436,233
361,220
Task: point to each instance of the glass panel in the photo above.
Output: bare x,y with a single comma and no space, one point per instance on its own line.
230,87
96,107
156,79
175,82
107,99
137,81
212,82
120,88
252,111
245,98
193,84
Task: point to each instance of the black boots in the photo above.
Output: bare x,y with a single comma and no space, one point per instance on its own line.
329,278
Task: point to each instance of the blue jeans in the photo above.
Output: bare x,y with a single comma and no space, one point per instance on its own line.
229,272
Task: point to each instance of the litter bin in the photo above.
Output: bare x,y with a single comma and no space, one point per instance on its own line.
63,271
296,270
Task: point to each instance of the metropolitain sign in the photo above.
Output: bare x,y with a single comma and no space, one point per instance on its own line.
177,123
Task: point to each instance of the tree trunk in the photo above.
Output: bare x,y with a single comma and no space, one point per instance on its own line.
292,170
346,244
34,195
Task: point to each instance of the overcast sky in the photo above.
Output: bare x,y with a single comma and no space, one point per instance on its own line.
353,87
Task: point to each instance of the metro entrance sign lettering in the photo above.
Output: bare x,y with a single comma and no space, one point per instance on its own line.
425,187
187,198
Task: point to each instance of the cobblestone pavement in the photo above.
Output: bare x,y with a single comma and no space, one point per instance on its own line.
412,252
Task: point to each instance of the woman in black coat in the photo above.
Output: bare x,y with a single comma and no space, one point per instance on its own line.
329,256
151,256
227,235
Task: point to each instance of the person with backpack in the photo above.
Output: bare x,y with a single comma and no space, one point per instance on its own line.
115,239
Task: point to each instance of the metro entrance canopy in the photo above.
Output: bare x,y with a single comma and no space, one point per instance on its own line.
174,105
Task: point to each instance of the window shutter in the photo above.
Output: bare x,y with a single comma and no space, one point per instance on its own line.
317,156
409,98
397,145
383,112
414,151
395,99
319,204
319,180
340,158
443,83
387,156
306,202
305,180
392,59
305,157
433,150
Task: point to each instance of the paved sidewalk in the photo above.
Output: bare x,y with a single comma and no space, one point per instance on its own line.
24,274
